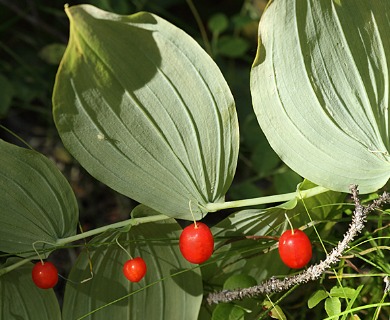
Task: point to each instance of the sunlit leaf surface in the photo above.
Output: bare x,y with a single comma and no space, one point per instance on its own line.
146,111
320,89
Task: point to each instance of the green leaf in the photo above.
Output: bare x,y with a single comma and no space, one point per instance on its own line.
228,311
240,21
218,23
36,201
244,190
52,53
286,181
333,306
238,281
239,308
21,299
146,111
320,207
316,298
343,292
320,87
171,289
264,159
232,46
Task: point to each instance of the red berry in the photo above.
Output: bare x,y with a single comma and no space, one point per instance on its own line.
134,269
44,275
295,249
196,243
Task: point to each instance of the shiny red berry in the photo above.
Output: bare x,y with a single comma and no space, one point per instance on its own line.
44,275
196,243
295,248
134,269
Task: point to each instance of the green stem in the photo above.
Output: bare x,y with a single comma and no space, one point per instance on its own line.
63,241
14,266
129,222
300,194
201,27
16,136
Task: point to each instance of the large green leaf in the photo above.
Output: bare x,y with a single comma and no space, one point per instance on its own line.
320,89
36,201
21,299
146,111
162,294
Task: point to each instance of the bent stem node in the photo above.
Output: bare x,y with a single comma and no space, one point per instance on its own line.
300,194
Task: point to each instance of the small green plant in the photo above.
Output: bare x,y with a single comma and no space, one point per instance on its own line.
333,299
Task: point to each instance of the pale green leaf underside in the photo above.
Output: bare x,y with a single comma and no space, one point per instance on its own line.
145,110
176,297
36,201
320,89
21,299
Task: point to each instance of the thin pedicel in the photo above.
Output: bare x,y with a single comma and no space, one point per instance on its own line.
315,271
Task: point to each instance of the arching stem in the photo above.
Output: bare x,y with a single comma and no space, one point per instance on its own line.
302,194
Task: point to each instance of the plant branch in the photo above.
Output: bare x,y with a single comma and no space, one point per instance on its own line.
83,235
300,194
14,266
201,27
125,223
315,271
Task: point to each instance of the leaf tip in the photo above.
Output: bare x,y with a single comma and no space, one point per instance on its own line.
260,53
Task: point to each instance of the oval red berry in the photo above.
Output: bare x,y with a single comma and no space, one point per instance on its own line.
196,243
134,269
295,249
44,275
